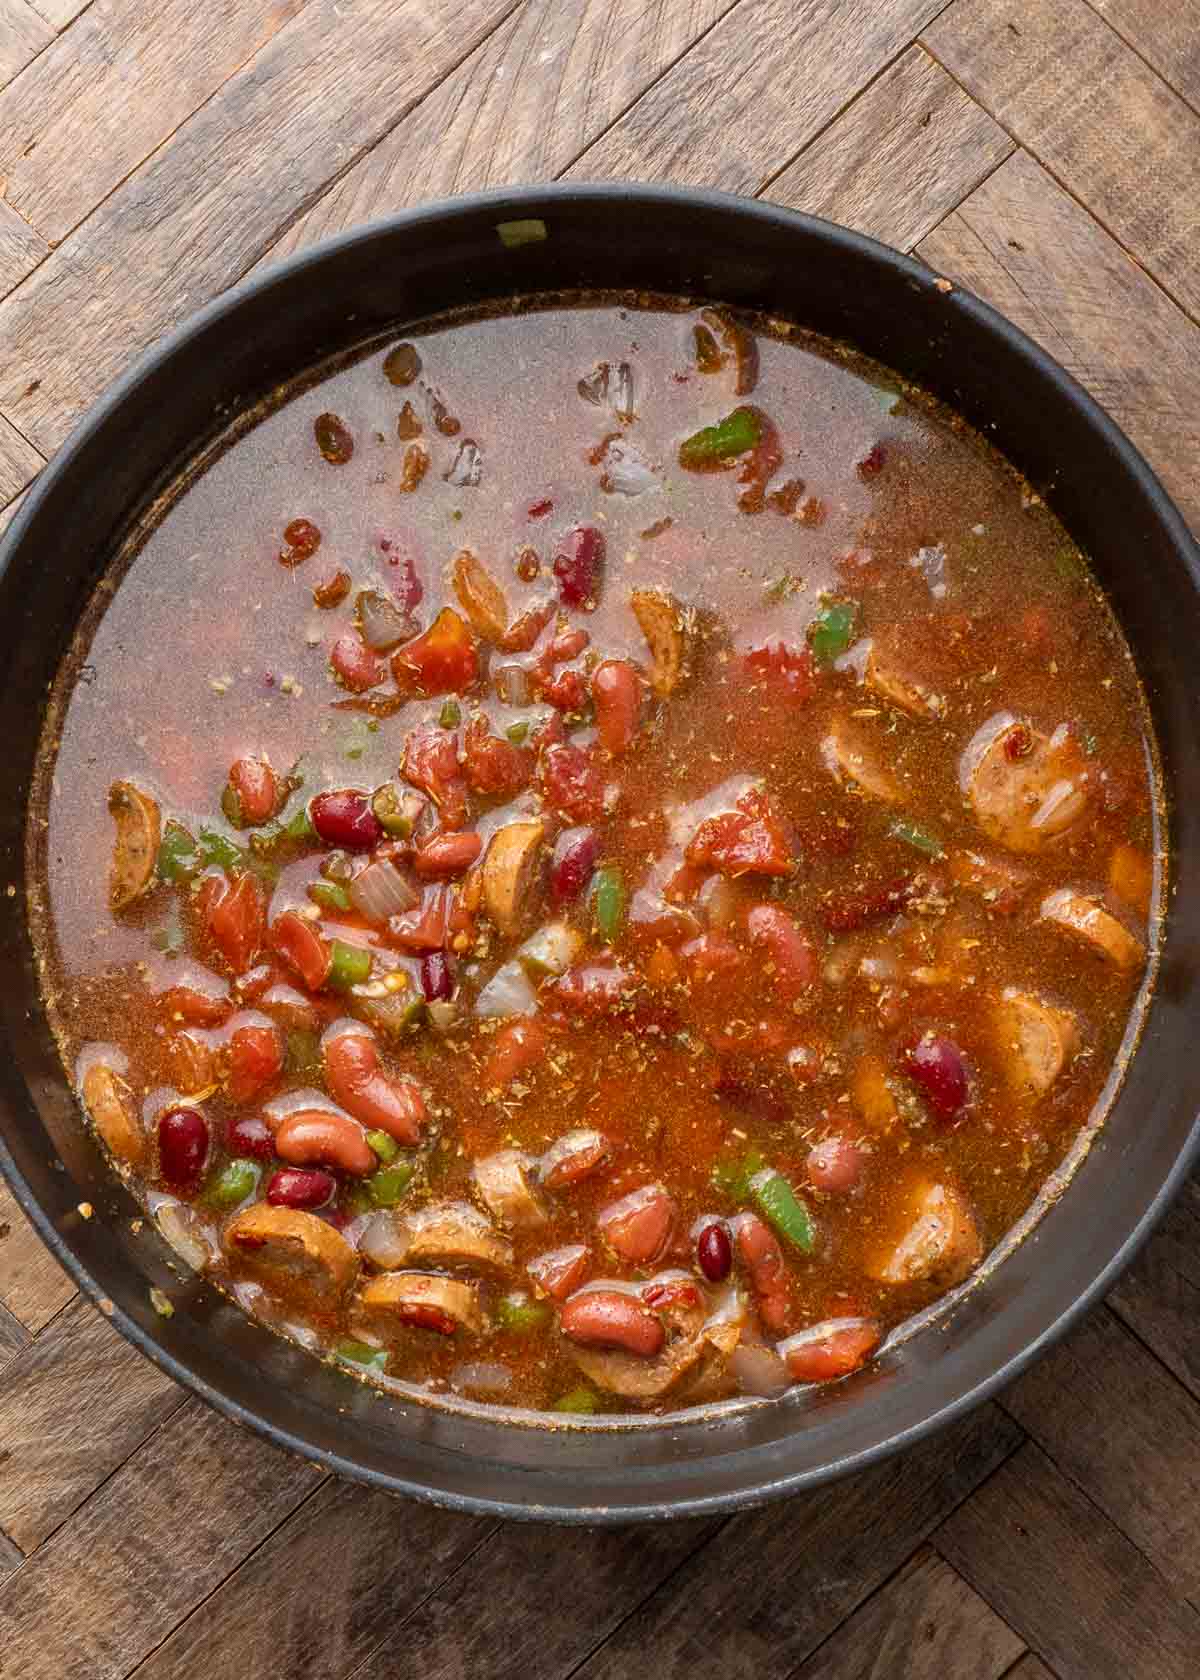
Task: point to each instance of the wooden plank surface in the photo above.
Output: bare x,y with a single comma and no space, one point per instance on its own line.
1069,90
1045,153
1067,1580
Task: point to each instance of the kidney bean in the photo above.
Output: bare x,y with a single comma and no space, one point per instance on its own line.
572,864
303,948
437,977
322,1137
608,1319
938,1067
826,1351
834,1164
357,666
617,696
514,1050
331,591
182,1148
356,1081
579,565
193,1008
447,855
714,1252
254,790
787,949
344,818
637,1226
560,1270
233,911
762,1257
293,1188
575,1156
248,1135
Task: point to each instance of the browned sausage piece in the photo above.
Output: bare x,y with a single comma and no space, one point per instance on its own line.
416,1301
293,1252
135,853
939,1240
110,1103
608,1318
502,1182
441,1234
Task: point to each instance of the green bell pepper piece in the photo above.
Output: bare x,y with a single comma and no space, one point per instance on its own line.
350,965
712,446
832,631
780,1205
236,1180
609,902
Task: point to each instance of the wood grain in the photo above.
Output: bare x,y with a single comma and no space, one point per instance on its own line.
1117,137
754,91
323,89
23,34
33,1286
111,89
1029,1668
375,1558
1166,36
13,1336
19,461
551,79
905,153
924,1624
11,1556
73,1406
488,1620
1067,1579
21,249
155,1540
1025,246
775,1583
1159,1297
1119,1425
6,517
59,13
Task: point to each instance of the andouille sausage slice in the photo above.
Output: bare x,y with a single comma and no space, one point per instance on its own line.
503,1183
292,1251
440,1234
416,1301
110,1103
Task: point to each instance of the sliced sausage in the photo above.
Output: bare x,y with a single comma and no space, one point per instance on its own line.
135,853
1035,1040
999,883
890,674
852,756
294,1252
416,1301
502,1182
440,1234
111,1105
1086,920
637,1227
1026,789
664,626
510,872
938,1241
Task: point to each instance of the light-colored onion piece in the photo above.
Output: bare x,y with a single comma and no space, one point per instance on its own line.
758,1369
481,1376
381,623
183,1230
380,891
508,992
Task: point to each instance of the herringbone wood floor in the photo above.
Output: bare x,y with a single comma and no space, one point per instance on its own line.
1045,153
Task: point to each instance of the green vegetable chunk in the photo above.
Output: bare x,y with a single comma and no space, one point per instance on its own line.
517,732
236,1180
351,1352
732,1178
177,859
384,1146
577,1400
914,835
779,1203
450,714
609,902
350,965
832,631
521,1313
330,895
712,446
387,1186
215,848
395,814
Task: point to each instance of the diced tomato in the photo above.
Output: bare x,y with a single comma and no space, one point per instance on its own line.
354,664
685,884
551,734
255,1059
302,947
573,782
431,764
842,912
790,952
234,914
194,1008
566,691
748,840
524,631
655,923
781,670
252,984
712,954
424,929
493,766
514,1050
445,660
591,989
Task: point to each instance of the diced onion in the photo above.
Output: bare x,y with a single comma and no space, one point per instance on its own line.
383,1241
184,1231
484,1376
381,622
758,1369
380,891
551,950
444,1013
508,992
512,684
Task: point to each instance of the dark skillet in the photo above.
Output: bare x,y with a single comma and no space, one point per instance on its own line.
463,252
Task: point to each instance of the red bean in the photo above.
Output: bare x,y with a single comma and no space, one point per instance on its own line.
574,859
608,1319
789,951
357,666
714,1252
301,1187
617,696
447,855
345,818
637,1226
578,566
938,1067
182,1148
834,1164
437,977
248,1135
824,1352
873,462
254,792
356,1081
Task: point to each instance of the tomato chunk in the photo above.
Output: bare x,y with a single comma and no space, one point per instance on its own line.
233,912
573,782
302,947
495,767
255,1059
782,671
431,764
445,660
748,840
354,664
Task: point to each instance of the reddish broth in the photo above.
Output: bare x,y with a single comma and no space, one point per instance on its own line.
634,856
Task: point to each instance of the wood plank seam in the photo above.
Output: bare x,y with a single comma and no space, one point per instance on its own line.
855,98
1131,46
1063,184
957,209
61,30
